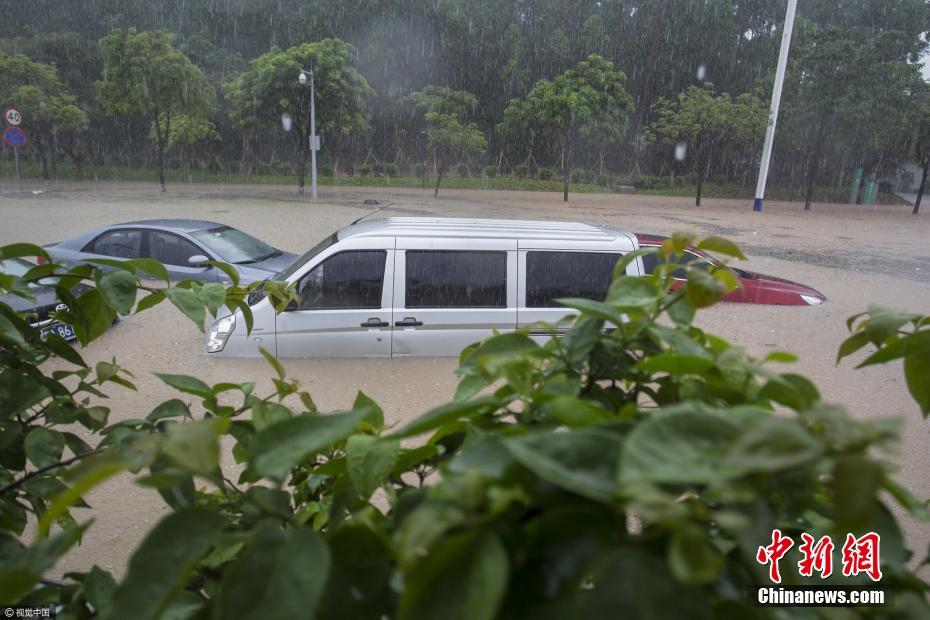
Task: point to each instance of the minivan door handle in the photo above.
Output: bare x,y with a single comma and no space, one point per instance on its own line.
375,322
408,321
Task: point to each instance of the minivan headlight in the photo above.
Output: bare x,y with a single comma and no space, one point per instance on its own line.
219,333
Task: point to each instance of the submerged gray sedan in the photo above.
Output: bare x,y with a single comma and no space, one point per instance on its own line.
185,247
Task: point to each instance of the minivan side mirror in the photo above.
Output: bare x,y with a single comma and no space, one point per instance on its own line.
198,260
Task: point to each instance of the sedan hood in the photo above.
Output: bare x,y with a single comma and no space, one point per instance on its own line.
766,289
262,270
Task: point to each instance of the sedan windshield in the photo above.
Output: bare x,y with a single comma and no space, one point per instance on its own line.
235,246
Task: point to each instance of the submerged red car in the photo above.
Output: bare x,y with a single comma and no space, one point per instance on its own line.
755,288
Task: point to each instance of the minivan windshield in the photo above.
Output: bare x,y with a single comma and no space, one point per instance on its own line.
288,271
235,246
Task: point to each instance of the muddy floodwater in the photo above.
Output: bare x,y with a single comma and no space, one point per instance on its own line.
855,255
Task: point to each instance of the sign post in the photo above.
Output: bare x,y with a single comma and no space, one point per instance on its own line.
15,137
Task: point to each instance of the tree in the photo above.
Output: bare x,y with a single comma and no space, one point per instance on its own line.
186,131
706,123
921,141
270,89
631,472
573,104
449,135
144,75
853,89
47,105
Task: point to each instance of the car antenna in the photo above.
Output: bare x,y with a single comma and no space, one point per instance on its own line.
371,213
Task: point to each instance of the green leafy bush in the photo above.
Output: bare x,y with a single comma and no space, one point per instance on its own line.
577,175
462,170
545,173
490,171
521,171
390,169
631,467
602,180
419,169
363,170
327,170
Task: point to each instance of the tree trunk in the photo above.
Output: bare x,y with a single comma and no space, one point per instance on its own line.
246,165
54,154
566,169
160,140
439,170
923,183
812,165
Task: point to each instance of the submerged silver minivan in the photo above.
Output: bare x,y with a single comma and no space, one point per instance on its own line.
408,286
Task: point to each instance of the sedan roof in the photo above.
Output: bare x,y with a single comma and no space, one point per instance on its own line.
176,224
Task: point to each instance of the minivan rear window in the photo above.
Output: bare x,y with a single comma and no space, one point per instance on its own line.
554,275
456,279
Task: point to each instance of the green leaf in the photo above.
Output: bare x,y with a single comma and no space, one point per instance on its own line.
633,292
188,303
851,345
285,444
577,413
266,413
721,246
359,583
173,408
791,390
161,566
681,311
273,361
772,444
99,588
118,289
369,462
228,269
633,583
692,556
704,289
464,576
680,445
152,299
855,485
373,413
150,266
280,575
917,375
438,416
195,445
94,314
21,250
213,296
185,383
676,364
594,308
44,446
21,569
583,461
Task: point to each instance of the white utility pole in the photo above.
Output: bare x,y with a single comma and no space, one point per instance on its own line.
304,76
776,100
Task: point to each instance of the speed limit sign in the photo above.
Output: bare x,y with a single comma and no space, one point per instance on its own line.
13,117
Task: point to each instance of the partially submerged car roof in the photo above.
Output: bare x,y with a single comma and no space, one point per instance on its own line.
484,229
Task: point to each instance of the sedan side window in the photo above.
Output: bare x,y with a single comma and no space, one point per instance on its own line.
690,259
171,249
348,280
117,243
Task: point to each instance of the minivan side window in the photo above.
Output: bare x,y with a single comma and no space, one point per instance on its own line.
456,279
117,243
348,280
554,275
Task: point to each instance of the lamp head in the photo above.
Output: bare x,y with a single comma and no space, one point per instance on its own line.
302,78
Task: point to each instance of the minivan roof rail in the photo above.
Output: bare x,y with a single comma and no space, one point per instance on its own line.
371,213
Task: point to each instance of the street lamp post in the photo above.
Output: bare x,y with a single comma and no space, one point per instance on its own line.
305,76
